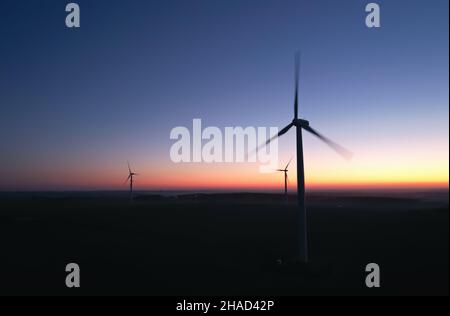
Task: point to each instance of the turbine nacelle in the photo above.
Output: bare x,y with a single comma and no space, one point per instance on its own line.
300,123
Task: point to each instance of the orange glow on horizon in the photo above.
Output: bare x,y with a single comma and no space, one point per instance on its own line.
321,172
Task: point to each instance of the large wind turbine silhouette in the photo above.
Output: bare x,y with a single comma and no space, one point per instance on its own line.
301,124
285,170
131,179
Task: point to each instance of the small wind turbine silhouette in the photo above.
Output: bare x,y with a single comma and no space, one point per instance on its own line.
300,125
130,178
285,170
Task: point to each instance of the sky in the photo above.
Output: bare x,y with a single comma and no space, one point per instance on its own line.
76,104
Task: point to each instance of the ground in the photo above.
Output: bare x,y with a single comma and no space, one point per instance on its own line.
223,244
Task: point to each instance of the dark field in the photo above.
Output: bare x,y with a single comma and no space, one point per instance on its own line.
223,244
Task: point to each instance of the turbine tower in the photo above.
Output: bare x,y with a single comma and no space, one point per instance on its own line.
130,178
301,124
285,170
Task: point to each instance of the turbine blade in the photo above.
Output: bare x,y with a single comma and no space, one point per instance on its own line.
284,130
280,133
127,179
288,164
347,154
129,169
297,75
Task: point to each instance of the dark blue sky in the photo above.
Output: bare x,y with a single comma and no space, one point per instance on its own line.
113,89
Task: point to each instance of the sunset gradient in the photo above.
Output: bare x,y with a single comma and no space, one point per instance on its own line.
75,105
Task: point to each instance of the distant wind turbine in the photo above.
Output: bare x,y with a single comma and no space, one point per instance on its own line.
300,125
131,179
285,170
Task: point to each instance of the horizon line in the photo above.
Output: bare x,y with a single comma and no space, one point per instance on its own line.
235,190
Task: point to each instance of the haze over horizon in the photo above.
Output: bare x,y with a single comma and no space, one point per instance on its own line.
77,104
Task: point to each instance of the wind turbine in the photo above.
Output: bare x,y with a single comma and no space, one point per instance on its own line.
301,124
285,170
130,178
